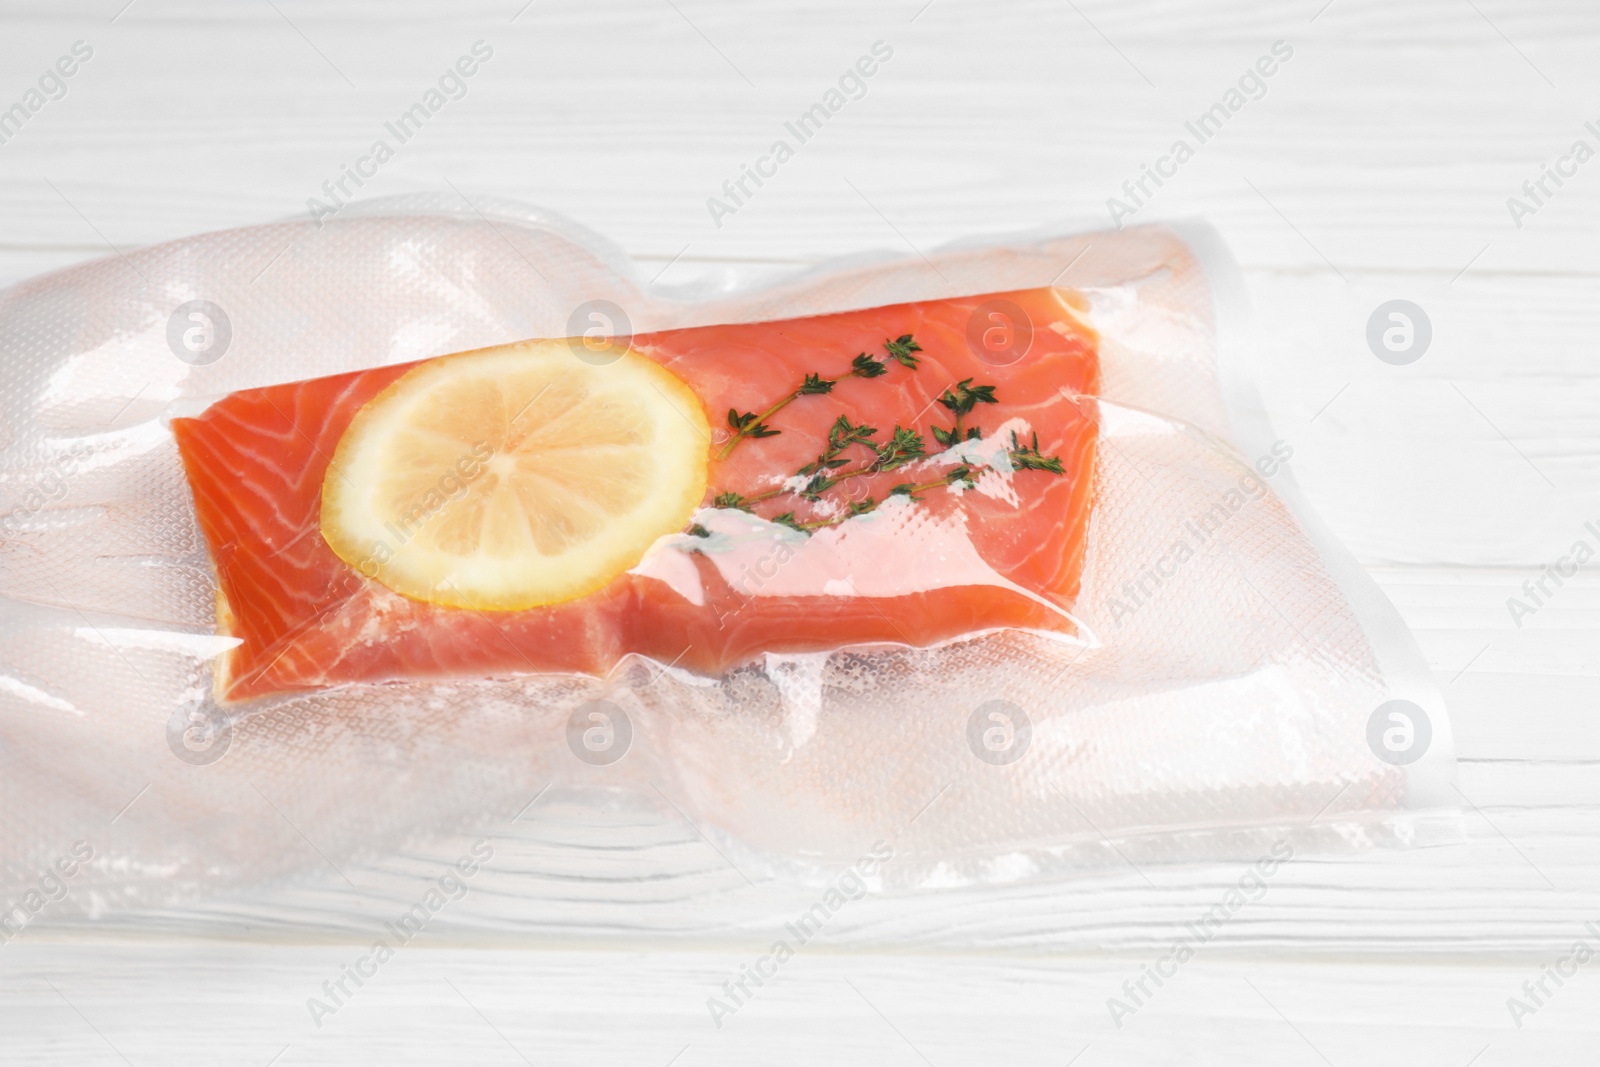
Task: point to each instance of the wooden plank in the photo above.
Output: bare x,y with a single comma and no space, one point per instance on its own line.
565,1006
1365,153
1377,165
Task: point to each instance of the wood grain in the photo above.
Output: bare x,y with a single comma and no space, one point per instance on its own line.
1377,165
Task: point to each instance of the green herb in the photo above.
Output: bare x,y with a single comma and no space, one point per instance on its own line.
750,424
814,386
900,350
961,398
864,366
696,530
1027,457
957,475
841,435
904,446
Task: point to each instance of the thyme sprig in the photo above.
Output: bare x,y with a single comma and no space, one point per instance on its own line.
902,447
833,465
956,475
750,424
824,472
1028,457
961,398
900,350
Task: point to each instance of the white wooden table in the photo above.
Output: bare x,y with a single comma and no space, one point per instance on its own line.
1377,165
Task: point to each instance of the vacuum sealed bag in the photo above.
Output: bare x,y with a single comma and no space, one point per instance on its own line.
560,506
362,534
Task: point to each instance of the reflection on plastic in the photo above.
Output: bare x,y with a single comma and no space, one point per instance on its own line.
1225,713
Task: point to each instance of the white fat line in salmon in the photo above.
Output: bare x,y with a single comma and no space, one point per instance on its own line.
446,889
53,885
452,486
1249,888
852,85
1252,85
851,885
52,86
452,85
1194,534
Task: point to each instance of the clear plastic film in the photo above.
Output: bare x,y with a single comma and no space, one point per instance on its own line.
1228,674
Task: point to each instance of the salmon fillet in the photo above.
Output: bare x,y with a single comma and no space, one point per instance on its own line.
1002,550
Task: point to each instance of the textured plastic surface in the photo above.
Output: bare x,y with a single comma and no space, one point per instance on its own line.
849,523
1223,698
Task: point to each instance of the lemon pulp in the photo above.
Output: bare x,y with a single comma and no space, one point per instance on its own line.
513,477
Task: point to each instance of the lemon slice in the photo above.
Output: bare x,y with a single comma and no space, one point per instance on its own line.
513,477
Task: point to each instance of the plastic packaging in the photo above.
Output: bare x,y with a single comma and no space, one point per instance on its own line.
564,506
1232,676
